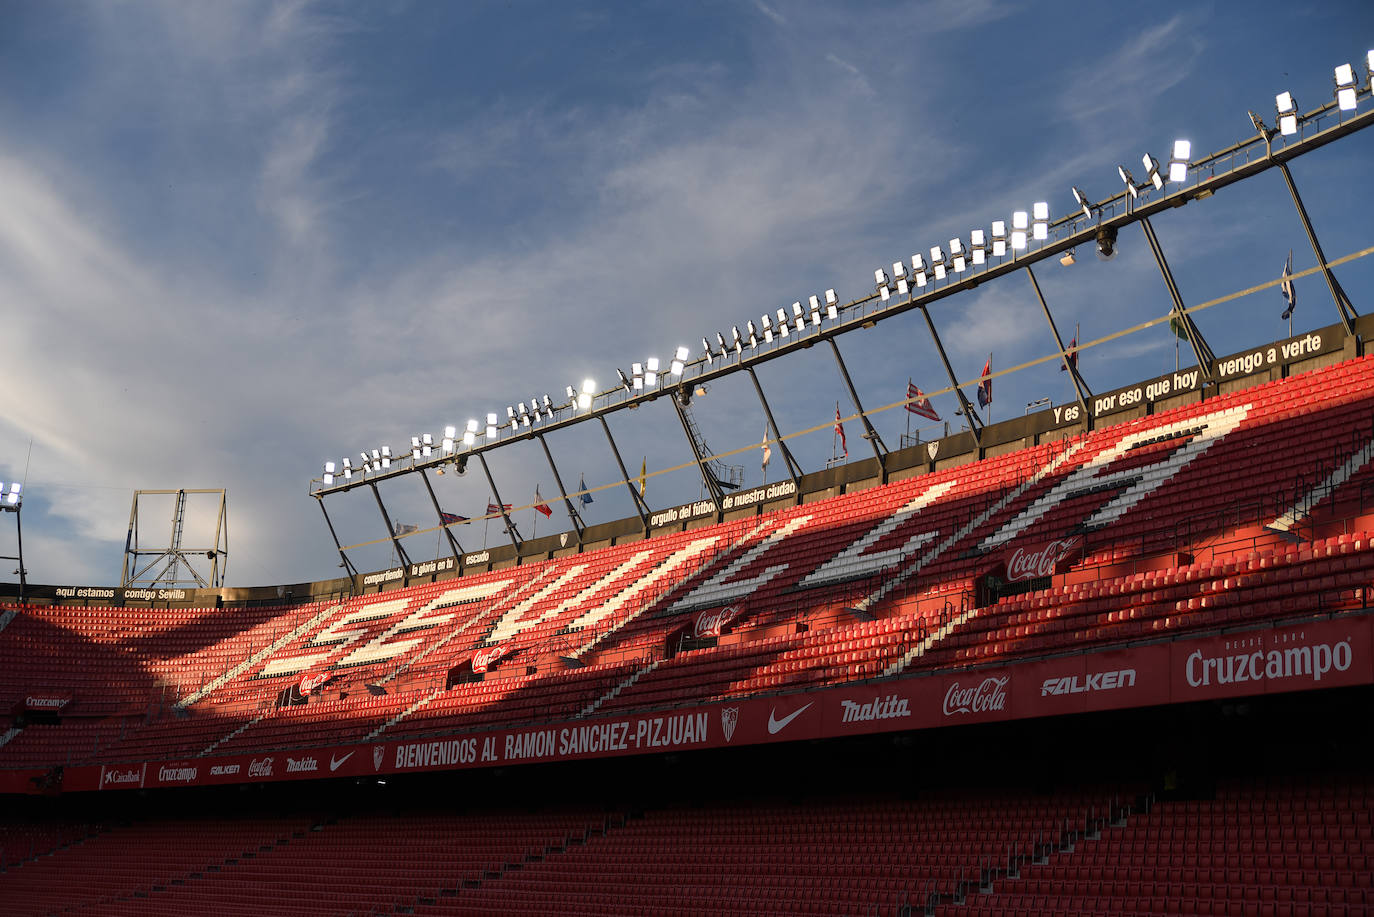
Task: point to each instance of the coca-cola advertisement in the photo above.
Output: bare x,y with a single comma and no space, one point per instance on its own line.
310,682
482,660
978,696
712,621
1041,560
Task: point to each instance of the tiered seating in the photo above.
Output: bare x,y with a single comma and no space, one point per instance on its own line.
1270,849
1183,557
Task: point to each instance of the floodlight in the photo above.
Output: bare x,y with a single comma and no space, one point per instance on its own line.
651,371
1152,171
815,303
1287,108
1345,87
899,275
739,341
510,412
415,447
491,426
572,394
367,462
1369,68
386,456
524,414
1040,228
958,255
1020,223
637,370
679,362
767,332
999,238
1081,200
623,380
978,244
1128,180
880,280
347,469
720,339
584,400
469,437
918,270
782,322
798,323
328,473
706,351
832,304
472,425
548,405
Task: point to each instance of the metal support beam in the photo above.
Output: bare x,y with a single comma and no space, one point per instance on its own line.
641,507
870,434
390,529
345,562
975,423
1206,360
562,491
1080,387
1348,313
511,530
712,485
793,469
454,547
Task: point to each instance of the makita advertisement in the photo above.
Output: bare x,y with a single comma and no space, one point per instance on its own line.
1318,654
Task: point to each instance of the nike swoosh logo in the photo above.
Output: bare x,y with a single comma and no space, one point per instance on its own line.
776,726
334,762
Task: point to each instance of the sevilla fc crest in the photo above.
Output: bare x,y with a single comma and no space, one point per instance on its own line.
729,716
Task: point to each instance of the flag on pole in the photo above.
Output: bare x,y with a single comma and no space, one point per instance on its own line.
985,387
839,430
582,486
1290,293
493,509
767,450
643,474
405,528
1176,327
451,518
1072,356
539,505
918,403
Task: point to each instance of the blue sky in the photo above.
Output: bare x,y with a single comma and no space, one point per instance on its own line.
241,239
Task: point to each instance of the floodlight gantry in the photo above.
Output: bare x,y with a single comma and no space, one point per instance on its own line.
12,501
1012,250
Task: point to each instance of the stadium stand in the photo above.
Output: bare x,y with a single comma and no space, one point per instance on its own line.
1240,522
1174,538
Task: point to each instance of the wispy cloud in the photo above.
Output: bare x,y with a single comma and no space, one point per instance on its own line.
1138,71
771,13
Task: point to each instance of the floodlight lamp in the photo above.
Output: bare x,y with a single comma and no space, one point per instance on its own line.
510,412
1287,108
415,442
624,381
328,473
1128,180
347,470
939,269
651,371
1041,210
815,303
977,238
377,455
1152,171
572,394
548,405
386,456
450,431
469,437
999,238
1081,200
782,322
1018,239
679,361
1345,87
832,305
902,287
637,370
720,339
491,426
797,311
